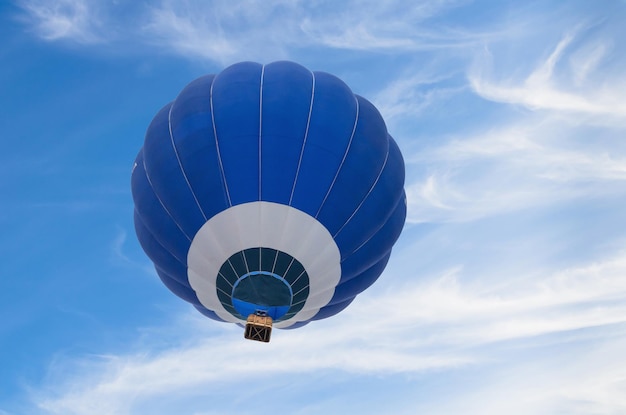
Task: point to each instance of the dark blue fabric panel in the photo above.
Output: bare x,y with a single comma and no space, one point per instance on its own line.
207,313
166,176
351,288
192,128
331,310
361,168
236,108
378,205
298,325
177,288
159,255
154,217
330,129
287,89
378,246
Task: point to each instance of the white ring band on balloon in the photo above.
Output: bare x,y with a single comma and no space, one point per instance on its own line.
270,225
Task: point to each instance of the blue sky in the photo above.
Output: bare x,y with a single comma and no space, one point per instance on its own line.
506,292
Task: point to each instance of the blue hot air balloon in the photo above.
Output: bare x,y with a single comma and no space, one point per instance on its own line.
268,190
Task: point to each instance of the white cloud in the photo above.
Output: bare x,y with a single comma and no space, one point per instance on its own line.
389,25
219,31
483,312
223,32
437,324
76,20
411,96
532,161
586,60
589,381
581,92
186,37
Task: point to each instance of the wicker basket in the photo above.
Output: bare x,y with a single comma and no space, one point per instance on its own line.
258,327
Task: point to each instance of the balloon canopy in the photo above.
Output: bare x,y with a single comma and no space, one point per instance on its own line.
268,188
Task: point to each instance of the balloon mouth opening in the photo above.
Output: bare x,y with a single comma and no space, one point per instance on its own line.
262,279
262,291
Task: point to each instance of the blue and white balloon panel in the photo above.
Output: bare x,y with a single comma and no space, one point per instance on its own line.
268,187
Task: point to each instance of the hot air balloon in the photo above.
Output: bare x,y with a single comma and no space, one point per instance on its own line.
268,195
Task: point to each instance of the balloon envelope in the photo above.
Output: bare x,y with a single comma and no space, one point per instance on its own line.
268,188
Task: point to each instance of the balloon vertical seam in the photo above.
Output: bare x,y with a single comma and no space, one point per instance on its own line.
366,196
289,266
156,239
161,202
274,264
306,133
301,290
225,279
296,280
180,164
219,289
245,261
402,199
217,144
231,265
345,155
261,127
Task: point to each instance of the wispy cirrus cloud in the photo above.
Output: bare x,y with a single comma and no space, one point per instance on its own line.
564,145
537,162
583,382
75,20
222,32
441,323
557,86
279,29
411,96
